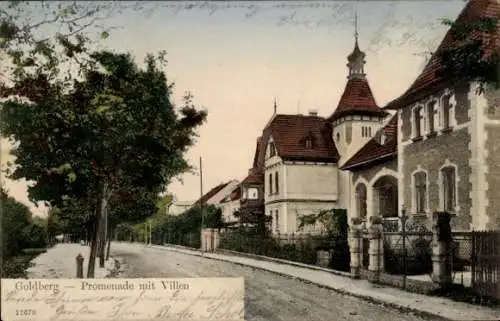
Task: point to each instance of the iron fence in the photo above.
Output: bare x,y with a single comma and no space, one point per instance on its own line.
485,272
461,258
408,247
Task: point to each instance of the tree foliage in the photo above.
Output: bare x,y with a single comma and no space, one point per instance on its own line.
117,126
20,230
473,55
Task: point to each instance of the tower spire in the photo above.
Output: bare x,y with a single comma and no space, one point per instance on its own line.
356,27
356,60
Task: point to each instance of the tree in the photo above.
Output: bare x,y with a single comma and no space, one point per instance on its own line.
20,230
113,130
473,55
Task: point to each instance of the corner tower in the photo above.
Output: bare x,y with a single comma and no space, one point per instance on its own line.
357,116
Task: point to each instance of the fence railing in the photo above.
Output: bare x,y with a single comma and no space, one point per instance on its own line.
486,263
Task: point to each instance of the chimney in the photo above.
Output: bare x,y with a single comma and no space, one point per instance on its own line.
313,112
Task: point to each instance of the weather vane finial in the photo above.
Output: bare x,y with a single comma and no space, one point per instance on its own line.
356,25
275,106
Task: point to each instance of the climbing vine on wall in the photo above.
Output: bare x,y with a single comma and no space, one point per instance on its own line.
474,55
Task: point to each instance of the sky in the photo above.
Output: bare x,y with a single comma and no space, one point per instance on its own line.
236,58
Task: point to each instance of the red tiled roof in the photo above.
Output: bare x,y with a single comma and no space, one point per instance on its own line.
373,151
432,77
256,155
290,131
357,99
211,193
255,177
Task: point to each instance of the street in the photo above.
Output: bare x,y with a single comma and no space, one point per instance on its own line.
269,297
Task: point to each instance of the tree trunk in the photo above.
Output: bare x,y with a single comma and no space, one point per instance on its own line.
102,249
96,237
108,248
93,248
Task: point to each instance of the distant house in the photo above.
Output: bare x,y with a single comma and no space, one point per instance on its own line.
217,194
178,207
230,205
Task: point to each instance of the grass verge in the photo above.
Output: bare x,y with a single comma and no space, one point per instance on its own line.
16,266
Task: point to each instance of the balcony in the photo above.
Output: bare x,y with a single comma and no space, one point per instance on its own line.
250,203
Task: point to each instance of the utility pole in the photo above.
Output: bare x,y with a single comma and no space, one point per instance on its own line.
201,204
150,233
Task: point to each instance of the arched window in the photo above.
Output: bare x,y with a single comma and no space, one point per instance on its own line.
420,181
449,188
430,117
361,200
270,183
445,112
417,125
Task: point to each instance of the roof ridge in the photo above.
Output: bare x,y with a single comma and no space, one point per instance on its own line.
474,9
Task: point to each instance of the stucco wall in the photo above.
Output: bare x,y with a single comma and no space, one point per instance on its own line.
228,209
310,181
289,213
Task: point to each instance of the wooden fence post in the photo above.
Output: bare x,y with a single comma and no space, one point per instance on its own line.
79,266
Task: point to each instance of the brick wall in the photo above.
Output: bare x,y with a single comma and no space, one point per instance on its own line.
431,154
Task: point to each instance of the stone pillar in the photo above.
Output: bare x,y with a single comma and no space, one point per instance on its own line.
209,239
376,250
355,246
441,249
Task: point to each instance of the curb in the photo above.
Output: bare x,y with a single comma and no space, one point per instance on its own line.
282,261
402,308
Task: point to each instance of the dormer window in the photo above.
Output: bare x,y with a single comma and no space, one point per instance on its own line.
308,141
383,139
271,150
309,144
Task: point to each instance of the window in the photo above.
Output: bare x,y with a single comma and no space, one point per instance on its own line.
383,138
445,112
276,183
277,221
308,143
366,131
338,136
420,192
417,118
272,150
361,200
449,188
270,184
430,117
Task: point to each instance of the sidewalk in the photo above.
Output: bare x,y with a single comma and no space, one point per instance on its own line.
425,305
59,262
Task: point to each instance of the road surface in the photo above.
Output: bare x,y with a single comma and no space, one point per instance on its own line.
268,297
